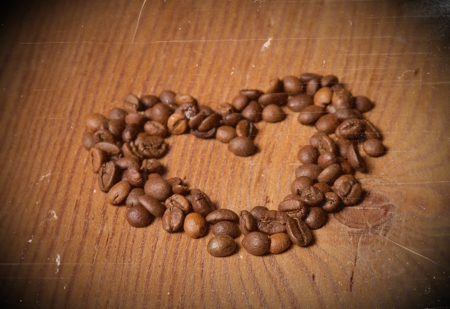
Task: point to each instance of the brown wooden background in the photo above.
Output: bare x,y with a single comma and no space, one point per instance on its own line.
63,246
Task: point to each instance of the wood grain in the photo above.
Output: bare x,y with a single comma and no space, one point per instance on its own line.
63,246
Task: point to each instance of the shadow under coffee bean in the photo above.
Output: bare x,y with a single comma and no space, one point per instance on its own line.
125,147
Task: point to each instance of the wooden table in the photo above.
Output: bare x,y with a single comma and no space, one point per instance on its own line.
63,246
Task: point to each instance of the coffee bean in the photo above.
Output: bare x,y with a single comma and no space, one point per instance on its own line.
312,196
222,215
355,159
184,98
225,109
294,207
270,221
332,202
126,162
178,200
310,114
138,216
348,189
292,84
308,154
178,186
370,131
172,220
88,140
343,145
373,147
132,199
299,102
242,146
157,187
363,104
342,98
346,167
134,176
347,113
309,170
239,102
154,206
103,135
279,99
273,113
274,85
210,122
151,146
221,246
247,222
95,122
195,225
279,242
327,123
232,119
316,218
351,128
225,134
116,126
118,193
306,77
149,101
323,142
131,103
116,113
322,187
256,243
177,123
298,232
98,157
313,85
329,80
160,112
188,109
330,174
168,98
108,176
156,128
152,166
226,228
130,133
301,183
326,159
252,94
108,148
323,96
252,111
135,119
200,202
204,135
246,128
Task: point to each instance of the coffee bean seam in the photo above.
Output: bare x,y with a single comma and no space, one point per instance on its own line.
125,146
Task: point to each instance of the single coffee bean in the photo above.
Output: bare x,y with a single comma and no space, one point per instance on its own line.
306,77
308,154
225,134
88,140
299,102
148,101
298,232
160,113
316,218
98,157
355,159
370,131
200,202
330,174
332,202
323,96
188,109
258,210
132,199
256,243
152,166
169,98
135,119
118,193
184,98
351,128
348,189
274,85
103,135
273,113
251,94
343,145
309,170
221,246
152,205
130,133
210,122
252,112
279,242
324,187
157,187
151,146
347,113
279,99
195,225
126,162
239,102
346,167
242,146
177,123
172,220
326,159
178,186
292,84
108,175
116,126
294,207
246,128
197,120
327,123
270,221
129,150
342,98
247,222
134,176
108,148
156,128
131,103
138,216
178,200
301,183
313,85
363,104
225,109
116,113
95,122
373,147
226,228
329,80
222,215
312,196
323,142
310,114
204,135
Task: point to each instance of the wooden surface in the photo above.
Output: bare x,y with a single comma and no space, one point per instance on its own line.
63,246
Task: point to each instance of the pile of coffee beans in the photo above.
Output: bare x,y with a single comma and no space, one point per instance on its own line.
125,146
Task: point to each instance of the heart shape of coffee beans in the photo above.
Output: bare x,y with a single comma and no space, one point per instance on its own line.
125,147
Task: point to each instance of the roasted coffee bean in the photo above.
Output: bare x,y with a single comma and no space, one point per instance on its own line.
149,101
342,98
116,113
322,187
329,80
221,246
294,207
98,157
118,193
151,146
169,98
323,142
225,134
257,210
309,170
152,166
116,126
210,122
310,114
195,225
96,121
152,205
225,109
256,243
178,200
200,202
346,167
204,135
274,85
373,147
279,242
323,96
157,187
298,232
104,135
134,176
138,216
313,85
172,220
292,84
301,183
185,98
177,123
251,94
232,119
363,104
327,123
279,99
270,221
222,215
306,77
129,150
316,218
247,222
246,128
188,109
355,159
312,196
130,133
131,103
347,113
252,112
108,148
108,175
370,131
226,228
88,140
160,113
239,102
308,154
178,185
351,128
343,145
242,146
156,128
133,196
330,174
332,202
348,189
326,159
273,113
135,119
126,162
299,102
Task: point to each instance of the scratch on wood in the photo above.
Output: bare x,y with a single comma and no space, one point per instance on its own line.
53,217
137,23
267,44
